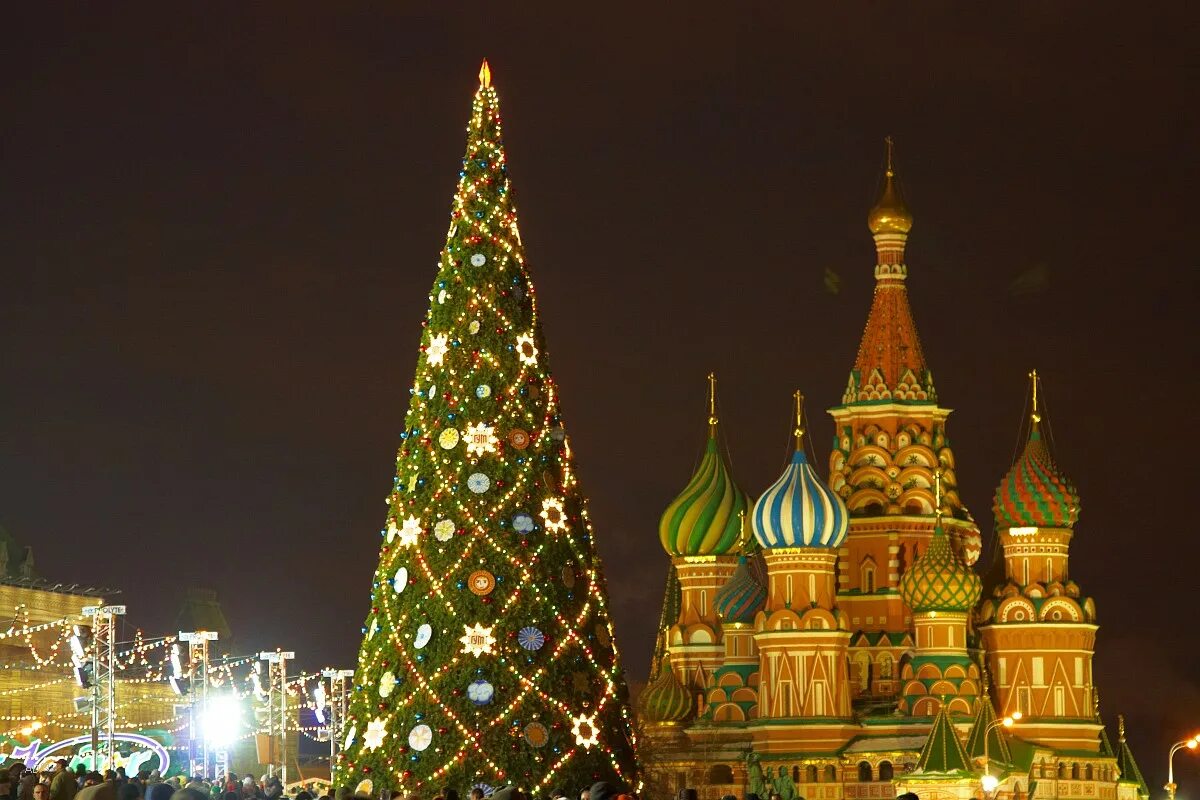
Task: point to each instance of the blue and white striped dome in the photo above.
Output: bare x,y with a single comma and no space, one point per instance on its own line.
799,510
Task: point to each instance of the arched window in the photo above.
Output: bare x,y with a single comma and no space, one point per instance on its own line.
830,774
864,772
1087,772
885,770
720,774
1075,772
885,665
867,576
1062,771
795,774
810,774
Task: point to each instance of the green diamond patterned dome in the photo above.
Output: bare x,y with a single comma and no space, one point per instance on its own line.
666,699
939,580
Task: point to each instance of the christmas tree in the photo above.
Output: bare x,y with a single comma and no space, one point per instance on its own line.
488,656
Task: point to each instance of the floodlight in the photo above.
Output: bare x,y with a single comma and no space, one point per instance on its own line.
221,721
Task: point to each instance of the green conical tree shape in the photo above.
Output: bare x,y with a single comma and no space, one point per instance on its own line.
488,654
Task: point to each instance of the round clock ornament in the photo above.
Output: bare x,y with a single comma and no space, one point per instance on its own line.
400,580
568,577
522,522
483,391
387,683
473,327
481,582
420,737
448,438
424,634
479,483
478,260
518,438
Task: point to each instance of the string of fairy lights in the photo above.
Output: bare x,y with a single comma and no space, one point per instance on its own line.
483,456
33,648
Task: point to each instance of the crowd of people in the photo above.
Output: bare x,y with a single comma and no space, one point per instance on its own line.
59,782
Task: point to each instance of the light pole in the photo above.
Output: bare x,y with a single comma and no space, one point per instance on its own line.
104,681
197,642
990,781
280,658
1190,744
339,680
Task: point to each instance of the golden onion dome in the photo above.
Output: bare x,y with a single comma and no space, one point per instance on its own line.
890,214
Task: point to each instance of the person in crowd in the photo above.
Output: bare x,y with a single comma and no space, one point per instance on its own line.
129,791
601,791
63,786
41,791
159,791
188,793
25,787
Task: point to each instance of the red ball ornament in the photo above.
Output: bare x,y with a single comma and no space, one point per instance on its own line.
407,774
486,600
367,770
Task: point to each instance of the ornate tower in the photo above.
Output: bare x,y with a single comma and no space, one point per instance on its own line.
801,634
1038,629
941,591
702,531
733,695
890,438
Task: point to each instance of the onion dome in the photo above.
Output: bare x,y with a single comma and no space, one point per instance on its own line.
705,519
799,510
890,214
742,595
1035,493
938,580
666,699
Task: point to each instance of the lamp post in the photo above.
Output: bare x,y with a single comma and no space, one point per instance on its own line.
1190,744
989,781
280,659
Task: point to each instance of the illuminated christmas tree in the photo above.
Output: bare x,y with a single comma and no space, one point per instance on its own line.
488,655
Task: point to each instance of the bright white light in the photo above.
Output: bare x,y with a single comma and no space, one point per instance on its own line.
990,782
221,722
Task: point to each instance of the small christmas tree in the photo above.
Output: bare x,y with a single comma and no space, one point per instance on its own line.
488,655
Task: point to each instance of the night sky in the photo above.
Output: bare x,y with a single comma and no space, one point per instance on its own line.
220,223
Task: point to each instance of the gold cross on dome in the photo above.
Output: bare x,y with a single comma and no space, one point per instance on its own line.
937,490
1033,379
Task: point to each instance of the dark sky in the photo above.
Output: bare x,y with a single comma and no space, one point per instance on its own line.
220,222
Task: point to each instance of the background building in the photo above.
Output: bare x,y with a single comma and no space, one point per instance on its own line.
832,639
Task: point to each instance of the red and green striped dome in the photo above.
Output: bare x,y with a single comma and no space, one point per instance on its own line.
1035,493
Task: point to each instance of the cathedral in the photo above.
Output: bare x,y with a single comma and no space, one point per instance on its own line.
831,638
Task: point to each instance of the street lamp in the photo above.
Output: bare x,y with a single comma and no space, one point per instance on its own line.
990,781
1190,744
